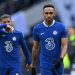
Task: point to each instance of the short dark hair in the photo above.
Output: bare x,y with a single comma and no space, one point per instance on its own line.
48,5
5,16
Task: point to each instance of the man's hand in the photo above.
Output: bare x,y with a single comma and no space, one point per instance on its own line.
9,28
28,66
33,71
58,63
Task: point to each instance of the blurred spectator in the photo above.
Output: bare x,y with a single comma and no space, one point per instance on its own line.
69,59
71,44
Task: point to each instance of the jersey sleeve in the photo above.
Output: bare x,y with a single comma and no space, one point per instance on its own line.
35,34
2,26
64,32
25,49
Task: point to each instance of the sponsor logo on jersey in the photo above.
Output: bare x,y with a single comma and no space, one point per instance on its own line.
50,45
8,46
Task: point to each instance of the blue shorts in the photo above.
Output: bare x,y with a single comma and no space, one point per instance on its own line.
10,71
46,71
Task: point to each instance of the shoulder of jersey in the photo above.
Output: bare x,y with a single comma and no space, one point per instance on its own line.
38,25
18,32
59,24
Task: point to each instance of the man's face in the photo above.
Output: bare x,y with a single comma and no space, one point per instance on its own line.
49,14
7,21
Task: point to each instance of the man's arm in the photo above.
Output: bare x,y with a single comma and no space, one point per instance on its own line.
34,56
25,49
34,52
64,47
3,26
34,49
6,26
63,53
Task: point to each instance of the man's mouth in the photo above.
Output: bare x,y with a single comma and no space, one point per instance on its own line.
49,19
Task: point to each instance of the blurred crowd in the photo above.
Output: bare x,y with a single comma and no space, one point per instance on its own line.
71,47
12,6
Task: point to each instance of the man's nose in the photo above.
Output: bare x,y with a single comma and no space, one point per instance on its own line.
49,15
7,23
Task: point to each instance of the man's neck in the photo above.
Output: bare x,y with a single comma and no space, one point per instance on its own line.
48,24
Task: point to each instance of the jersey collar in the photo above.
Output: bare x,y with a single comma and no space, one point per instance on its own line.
50,25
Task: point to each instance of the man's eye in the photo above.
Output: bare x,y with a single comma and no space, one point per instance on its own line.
46,13
8,21
51,12
4,22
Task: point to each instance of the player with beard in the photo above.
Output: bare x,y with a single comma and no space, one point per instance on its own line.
51,38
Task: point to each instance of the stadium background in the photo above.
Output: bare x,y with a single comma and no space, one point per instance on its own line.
27,13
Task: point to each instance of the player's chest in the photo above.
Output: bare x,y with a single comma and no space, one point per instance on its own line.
9,37
49,32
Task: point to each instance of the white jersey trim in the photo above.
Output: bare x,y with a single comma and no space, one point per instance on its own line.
47,25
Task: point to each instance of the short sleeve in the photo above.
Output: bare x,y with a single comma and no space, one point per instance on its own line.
35,34
64,32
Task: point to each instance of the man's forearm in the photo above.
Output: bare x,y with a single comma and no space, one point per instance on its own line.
34,56
2,26
63,51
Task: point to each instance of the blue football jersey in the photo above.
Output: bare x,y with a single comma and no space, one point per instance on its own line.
10,43
49,39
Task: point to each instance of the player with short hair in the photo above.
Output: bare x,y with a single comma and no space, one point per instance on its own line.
10,40
51,37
